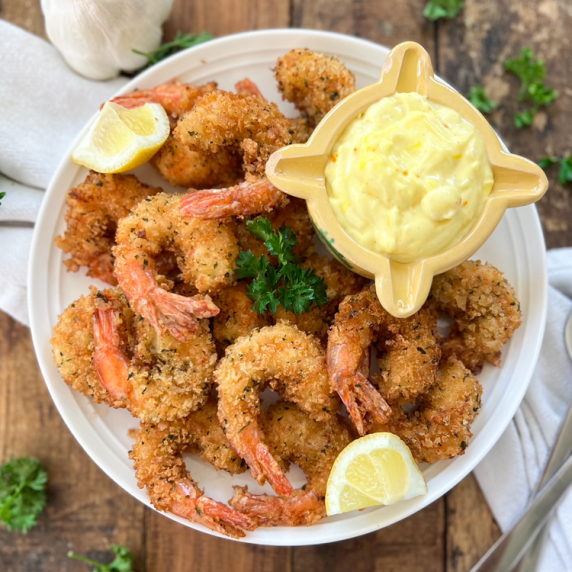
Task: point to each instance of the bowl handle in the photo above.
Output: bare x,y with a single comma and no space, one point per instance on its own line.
297,171
408,66
403,288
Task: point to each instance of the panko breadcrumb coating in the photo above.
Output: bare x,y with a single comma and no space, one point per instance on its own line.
182,167
408,359
294,437
313,82
485,309
124,364
205,251
291,363
159,467
236,317
247,124
440,428
94,209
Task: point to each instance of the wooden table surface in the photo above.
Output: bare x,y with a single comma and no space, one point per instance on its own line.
87,511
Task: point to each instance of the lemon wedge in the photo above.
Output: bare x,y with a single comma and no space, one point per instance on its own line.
122,139
377,469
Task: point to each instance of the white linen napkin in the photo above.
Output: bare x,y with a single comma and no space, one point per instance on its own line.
44,106
512,470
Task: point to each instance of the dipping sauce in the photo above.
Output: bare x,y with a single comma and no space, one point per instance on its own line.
408,177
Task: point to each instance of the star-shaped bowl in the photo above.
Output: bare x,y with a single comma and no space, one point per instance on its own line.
299,170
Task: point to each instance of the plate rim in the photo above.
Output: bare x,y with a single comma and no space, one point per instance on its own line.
36,286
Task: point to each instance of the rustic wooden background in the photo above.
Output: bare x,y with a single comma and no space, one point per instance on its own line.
87,511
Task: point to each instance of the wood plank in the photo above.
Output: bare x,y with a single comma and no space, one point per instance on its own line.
472,49
470,527
387,23
86,510
416,544
24,13
174,548
223,17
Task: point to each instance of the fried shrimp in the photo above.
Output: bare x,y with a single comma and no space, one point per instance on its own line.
410,355
205,251
159,467
175,162
73,344
236,317
176,98
183,167
105,353
313,82
206,439
485,309
293,364
340,281
440,428
293,436
247,124
94,208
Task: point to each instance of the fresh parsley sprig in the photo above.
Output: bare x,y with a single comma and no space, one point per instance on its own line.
479,99
123,561
531,72
180,42
291,285
22,493
2,195
565,171
436,9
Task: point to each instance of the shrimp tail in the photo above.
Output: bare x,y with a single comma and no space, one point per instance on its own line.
261,462
360,396
301,508
208,512
248,87
180,314
272,470
371,399
110,363
247,198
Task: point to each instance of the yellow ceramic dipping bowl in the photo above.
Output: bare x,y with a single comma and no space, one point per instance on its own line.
299,170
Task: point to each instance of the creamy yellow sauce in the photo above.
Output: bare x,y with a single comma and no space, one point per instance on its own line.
408,178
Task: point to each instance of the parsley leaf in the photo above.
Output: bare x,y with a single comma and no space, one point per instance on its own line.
249,266
2,195
263,293
301,289
547,161
290,285
565,171
479,99
123,561
436,9
179,43
531,73
22,493
279,244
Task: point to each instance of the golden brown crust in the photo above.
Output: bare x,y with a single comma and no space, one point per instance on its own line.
440,428
94,209
313,82
485,309
183,167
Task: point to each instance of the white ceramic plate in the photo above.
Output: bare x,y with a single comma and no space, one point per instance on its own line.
516,247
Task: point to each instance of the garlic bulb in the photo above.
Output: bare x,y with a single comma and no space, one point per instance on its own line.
97,37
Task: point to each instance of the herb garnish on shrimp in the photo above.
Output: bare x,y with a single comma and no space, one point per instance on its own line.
291,285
